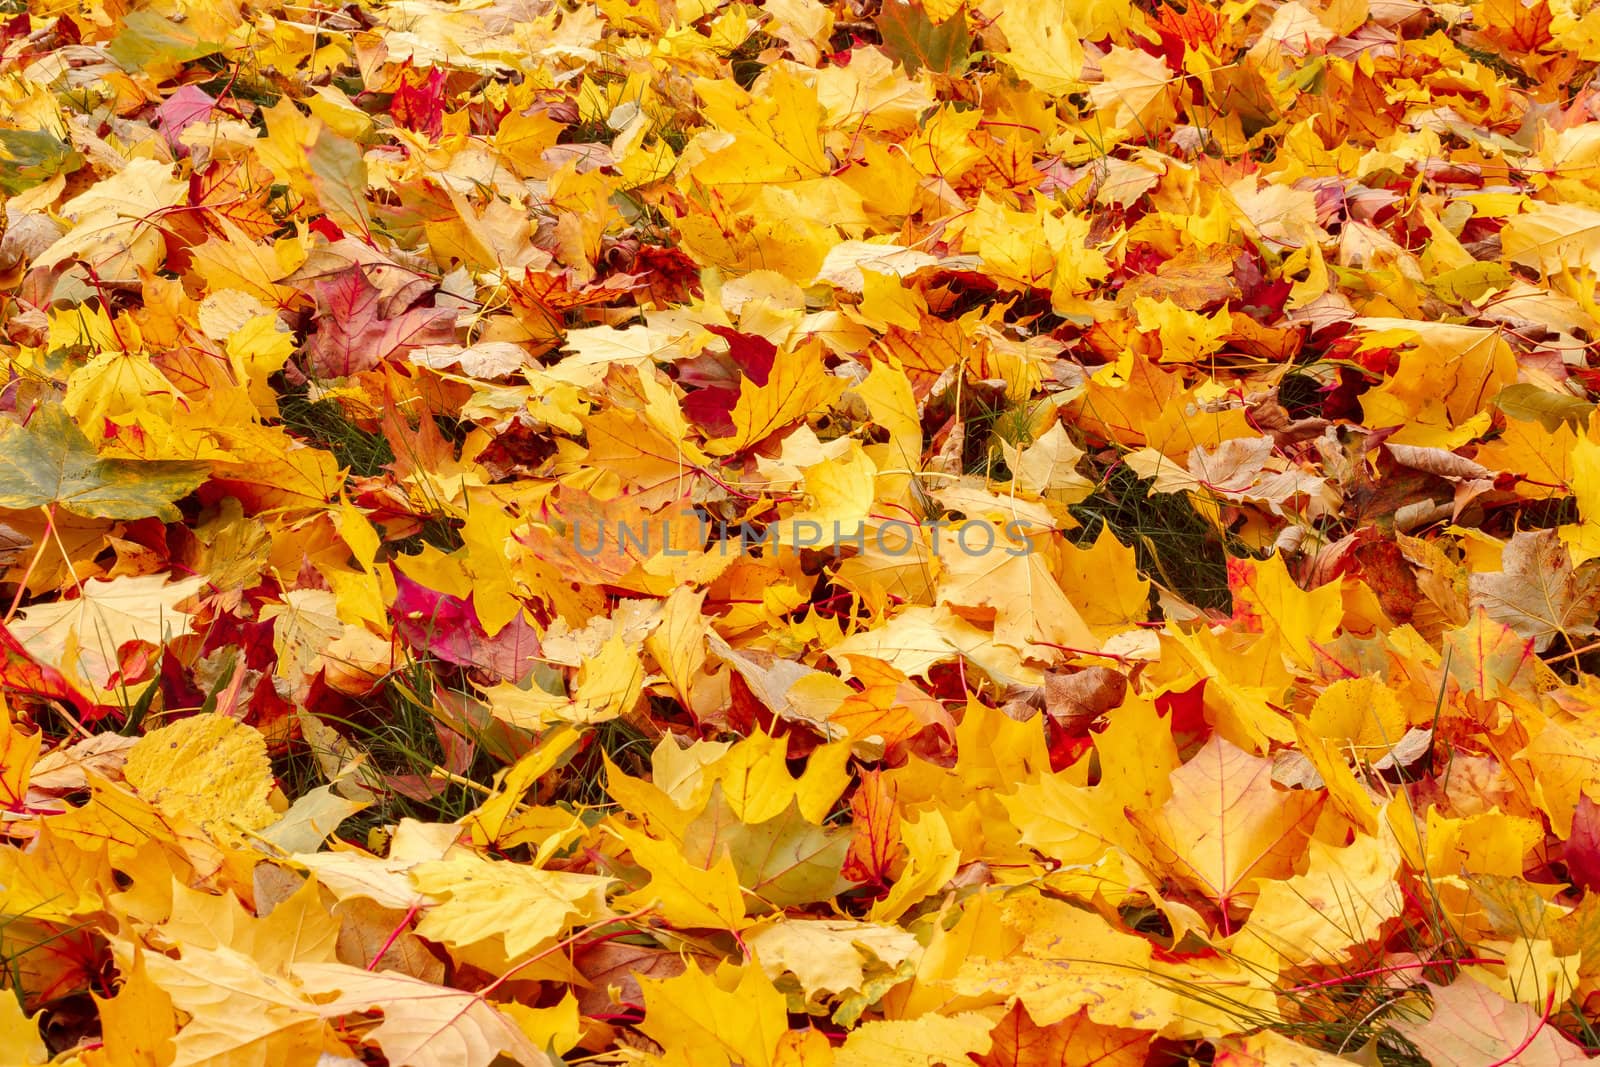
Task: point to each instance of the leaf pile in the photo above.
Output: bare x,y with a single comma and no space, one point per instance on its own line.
864,534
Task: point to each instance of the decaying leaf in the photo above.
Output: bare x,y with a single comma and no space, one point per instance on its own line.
1538,592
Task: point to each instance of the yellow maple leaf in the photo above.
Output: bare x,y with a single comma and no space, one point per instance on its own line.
1226,824
480,900
1339,904
683,894
799,385
732,1017
20,1042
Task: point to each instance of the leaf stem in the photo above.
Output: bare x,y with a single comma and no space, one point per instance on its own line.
1549,1006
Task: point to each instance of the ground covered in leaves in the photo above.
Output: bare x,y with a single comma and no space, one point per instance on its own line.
709,533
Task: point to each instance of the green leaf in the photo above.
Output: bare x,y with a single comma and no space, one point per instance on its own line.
912,38
50,461
1470,282
1529,403
147,39
785,861
33,157
339,174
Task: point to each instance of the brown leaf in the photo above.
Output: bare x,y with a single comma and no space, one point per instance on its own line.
1538,593
1075,699
367,928
613,970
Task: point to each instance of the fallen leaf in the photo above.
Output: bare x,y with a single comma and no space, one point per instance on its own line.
1473,1026
208,768
1538,592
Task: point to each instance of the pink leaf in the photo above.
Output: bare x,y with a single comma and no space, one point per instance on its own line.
356,335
